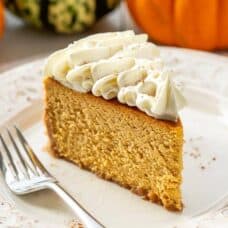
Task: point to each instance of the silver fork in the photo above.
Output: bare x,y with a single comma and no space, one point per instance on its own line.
29,175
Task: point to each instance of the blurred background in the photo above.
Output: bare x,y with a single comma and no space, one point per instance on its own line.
30,29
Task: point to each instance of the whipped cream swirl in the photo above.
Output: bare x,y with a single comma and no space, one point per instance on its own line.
118,65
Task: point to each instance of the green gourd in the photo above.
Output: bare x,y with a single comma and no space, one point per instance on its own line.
62,16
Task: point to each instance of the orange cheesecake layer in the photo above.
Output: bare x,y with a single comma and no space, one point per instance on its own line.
116,142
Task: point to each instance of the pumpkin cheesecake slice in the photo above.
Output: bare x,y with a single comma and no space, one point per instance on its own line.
112,108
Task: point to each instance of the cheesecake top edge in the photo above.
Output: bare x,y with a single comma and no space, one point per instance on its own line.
121,65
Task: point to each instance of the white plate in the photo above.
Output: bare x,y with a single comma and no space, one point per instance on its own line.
204,80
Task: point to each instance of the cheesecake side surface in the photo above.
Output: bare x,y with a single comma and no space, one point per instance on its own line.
116,142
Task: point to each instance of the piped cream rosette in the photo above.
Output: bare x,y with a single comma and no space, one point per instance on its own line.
118,65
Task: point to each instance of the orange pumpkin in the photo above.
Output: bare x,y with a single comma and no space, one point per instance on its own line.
1,18
200,24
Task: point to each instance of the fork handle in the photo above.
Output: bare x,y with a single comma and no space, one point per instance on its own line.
86,218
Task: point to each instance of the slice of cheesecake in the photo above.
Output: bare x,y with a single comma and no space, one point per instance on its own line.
111,108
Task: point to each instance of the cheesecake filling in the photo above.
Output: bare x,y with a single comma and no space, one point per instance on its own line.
119,65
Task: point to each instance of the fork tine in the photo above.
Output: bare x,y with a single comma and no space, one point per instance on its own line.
35,161
25,165
27,149
12,165
2,165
